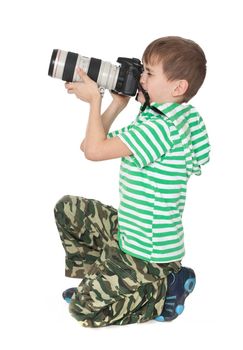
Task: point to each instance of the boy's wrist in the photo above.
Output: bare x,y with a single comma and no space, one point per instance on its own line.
96,98
118,106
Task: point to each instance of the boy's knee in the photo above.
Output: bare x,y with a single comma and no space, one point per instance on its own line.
61,203
67,208
59,209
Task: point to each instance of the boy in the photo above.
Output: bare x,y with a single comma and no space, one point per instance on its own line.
125,256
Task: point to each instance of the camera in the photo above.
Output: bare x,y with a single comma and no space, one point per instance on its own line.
122,79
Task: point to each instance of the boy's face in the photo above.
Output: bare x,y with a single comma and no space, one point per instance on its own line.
154,81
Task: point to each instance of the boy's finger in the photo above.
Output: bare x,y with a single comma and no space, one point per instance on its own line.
82,74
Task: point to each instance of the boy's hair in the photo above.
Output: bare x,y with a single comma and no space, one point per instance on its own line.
181,59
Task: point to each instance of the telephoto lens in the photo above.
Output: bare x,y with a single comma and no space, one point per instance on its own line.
63,65
121,78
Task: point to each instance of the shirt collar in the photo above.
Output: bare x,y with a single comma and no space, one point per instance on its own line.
165,107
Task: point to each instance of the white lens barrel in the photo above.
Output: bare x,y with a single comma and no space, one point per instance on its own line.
65,68
108,75
59,64
83,63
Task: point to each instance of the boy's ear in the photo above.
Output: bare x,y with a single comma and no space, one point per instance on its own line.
180,88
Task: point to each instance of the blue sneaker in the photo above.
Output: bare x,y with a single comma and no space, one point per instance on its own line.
67,294
180,285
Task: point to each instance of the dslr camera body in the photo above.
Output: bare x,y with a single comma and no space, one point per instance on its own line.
122,79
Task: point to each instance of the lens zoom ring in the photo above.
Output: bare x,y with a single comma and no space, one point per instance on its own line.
69,67
94,68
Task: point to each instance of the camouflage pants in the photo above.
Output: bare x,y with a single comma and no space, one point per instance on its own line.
116,288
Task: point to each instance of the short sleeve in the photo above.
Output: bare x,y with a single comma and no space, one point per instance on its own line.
147,141
112,134
115,133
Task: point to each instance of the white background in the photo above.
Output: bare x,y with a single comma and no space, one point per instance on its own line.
41,130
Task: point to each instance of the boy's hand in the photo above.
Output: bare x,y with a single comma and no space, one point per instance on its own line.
120,100
86,90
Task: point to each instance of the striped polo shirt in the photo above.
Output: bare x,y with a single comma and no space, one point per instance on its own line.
167,149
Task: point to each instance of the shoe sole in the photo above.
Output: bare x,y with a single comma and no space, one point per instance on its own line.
188,289
67,294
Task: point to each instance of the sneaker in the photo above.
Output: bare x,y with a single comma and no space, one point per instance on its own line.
180,285
68,293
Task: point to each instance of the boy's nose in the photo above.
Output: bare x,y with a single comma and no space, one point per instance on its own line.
142,78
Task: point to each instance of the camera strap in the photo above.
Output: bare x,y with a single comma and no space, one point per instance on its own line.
146,96
147,101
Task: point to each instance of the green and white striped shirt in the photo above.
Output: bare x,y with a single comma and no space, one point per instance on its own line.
153,180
